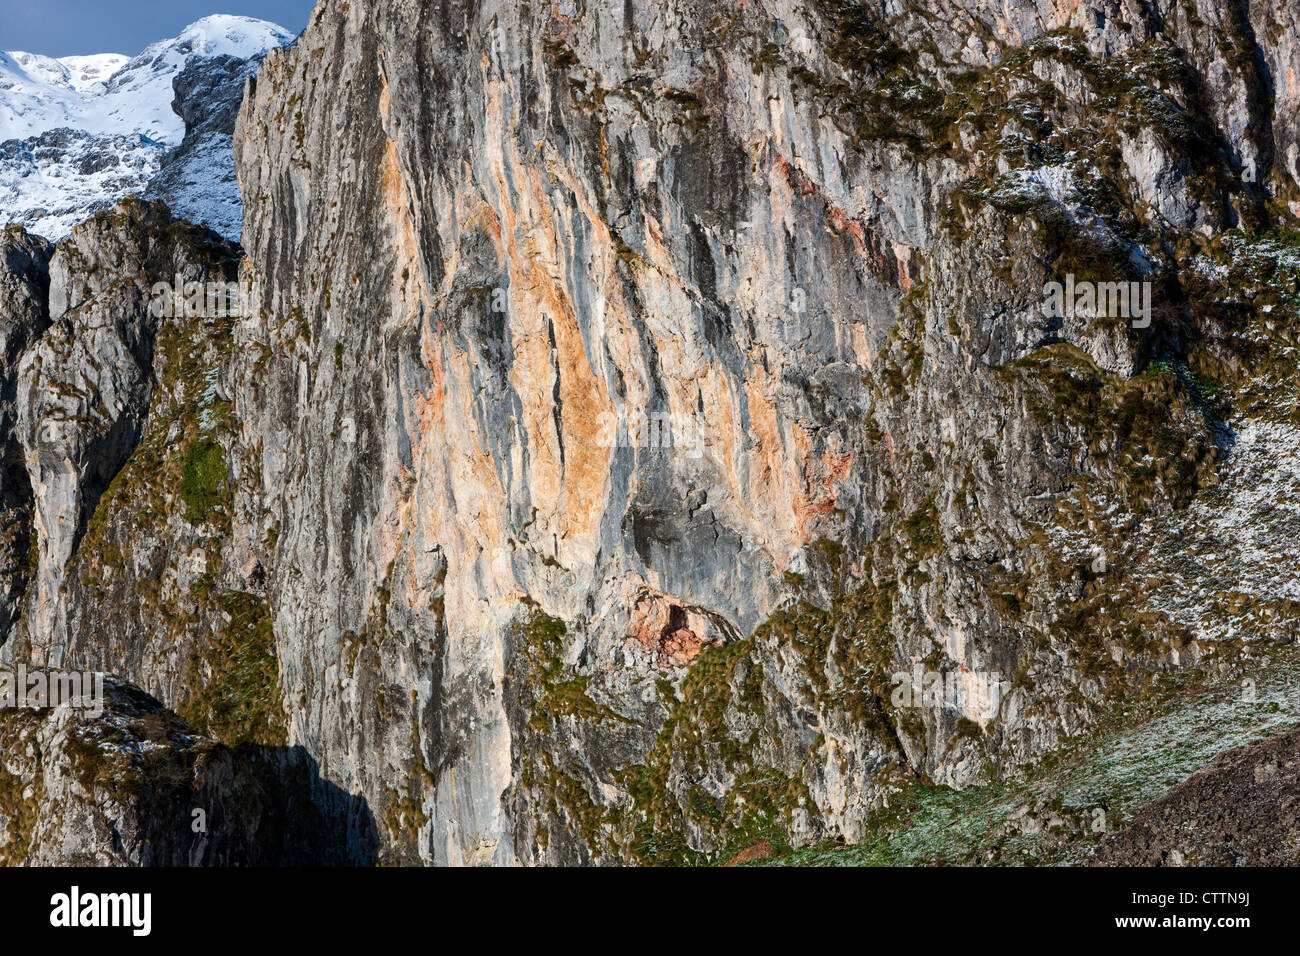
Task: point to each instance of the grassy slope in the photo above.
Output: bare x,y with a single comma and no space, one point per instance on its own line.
1138,757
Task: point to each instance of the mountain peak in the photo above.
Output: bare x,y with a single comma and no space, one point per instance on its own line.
80,131
221,35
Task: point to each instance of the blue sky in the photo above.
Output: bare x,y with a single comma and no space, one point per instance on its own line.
73,27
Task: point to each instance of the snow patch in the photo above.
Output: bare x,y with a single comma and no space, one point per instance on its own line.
82,132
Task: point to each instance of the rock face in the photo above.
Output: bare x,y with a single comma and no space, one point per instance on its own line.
815,254
651,435
24,316
84,389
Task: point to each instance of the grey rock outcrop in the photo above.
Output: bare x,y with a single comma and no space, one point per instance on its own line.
197,179
24,317
84,388
136,786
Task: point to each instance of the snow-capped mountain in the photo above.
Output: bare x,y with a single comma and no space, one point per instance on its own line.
80,132
82,74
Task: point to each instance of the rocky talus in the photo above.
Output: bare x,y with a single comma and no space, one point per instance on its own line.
632,393
1242,810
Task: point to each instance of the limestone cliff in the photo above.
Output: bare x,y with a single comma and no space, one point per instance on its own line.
632,392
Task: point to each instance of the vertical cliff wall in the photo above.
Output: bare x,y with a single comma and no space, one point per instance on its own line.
644,407
806,245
